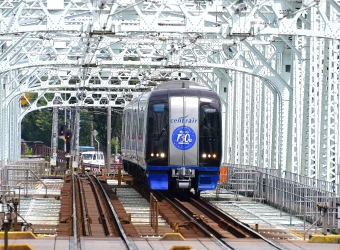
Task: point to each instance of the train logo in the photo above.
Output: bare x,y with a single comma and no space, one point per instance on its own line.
183,137
183,119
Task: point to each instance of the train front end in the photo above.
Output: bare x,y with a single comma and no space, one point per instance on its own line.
183,148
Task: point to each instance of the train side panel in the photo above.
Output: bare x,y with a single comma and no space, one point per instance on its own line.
133,132
125,140
134,121
128,137
142,108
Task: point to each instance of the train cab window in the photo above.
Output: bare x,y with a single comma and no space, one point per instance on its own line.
210,121
210,134
157,133
158,117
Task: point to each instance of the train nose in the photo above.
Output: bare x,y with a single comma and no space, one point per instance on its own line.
183,176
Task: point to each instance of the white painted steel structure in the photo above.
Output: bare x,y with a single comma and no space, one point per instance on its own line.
275,63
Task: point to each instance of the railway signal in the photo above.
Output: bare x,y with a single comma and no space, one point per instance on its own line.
61,130
68,136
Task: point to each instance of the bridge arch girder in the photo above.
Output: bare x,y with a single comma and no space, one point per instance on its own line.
294,45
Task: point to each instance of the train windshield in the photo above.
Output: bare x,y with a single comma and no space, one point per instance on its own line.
157,133
210,134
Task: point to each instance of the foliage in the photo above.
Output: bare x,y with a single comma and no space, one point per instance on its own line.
37,126
28,150
100,124
115,142
85,129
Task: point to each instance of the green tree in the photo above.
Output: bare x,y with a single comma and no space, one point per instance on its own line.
100,124
85,129
36,126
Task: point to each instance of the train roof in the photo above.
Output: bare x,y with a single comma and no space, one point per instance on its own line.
175,87
179,84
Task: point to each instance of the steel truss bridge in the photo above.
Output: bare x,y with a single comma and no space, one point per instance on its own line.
275,64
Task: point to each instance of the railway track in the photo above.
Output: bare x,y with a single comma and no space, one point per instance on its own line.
194,218
219,224
209,217
93,204
102,212
94,215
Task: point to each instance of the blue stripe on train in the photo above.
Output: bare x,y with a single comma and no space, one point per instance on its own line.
207,181
159,180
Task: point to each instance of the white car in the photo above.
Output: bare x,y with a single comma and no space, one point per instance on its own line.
94,158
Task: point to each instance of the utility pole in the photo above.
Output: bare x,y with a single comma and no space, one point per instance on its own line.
91,125
53,156
108,150
65,120
95,133
76,134
71,142
116,145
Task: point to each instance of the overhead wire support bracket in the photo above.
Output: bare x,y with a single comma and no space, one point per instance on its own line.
89,65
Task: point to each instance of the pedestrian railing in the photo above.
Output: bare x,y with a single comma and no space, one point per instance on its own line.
314,201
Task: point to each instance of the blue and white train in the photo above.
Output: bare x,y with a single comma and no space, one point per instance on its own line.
172,136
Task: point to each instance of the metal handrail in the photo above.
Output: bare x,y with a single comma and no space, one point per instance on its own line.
16,212
28,169
304,235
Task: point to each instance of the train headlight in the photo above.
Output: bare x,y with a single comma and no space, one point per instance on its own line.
209,155
214,155
162,155
157,155
204,155
152,155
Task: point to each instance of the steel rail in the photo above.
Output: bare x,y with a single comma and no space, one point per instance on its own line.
234,228
244,227
223,244
129,244
74,215
96,193
83,208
